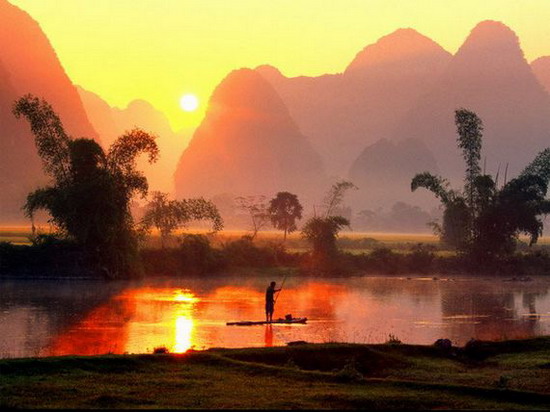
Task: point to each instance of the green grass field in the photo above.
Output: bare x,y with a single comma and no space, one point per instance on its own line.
514,376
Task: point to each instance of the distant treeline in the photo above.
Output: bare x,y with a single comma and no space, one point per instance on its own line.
196,256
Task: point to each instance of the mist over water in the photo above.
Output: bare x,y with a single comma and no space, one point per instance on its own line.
41,318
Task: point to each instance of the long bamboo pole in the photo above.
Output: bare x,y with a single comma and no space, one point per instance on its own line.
280,290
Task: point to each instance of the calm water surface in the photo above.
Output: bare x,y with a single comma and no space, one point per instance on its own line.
41,318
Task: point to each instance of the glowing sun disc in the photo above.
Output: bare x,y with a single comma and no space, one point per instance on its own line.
189,102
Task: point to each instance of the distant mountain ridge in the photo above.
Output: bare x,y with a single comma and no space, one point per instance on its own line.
490,76
405,87
112,122
342,113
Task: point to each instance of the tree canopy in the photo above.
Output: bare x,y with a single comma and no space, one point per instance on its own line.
167,215
482,218
284,210
322,231
89,193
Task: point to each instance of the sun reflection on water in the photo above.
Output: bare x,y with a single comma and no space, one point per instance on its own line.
185,296
184,323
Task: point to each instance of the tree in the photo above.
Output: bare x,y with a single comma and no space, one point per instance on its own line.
470,129
284,210
167,215
482,219
160,213
335,196
256,208
514,209
90,191
454,230
322,232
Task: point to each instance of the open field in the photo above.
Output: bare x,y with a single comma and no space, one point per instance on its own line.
352,242
20,235
514,375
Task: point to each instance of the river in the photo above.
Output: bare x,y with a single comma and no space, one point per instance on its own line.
55,317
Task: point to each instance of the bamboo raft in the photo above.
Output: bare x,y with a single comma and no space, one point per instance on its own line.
280,321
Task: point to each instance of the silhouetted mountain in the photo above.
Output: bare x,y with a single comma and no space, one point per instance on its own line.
248,144
100,114
343,113
34,67
112,122
383,172
318,108
490,76
406,86
20,166
29,64
541,68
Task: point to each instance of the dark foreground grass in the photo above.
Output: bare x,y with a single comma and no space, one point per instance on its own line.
512,375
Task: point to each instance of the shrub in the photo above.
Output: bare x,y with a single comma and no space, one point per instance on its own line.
47,256
349,373
384,260
243,252
197,256
420,259
161,350
393,340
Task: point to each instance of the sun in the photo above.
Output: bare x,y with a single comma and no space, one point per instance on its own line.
189,102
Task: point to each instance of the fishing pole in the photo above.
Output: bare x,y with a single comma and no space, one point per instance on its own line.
280,290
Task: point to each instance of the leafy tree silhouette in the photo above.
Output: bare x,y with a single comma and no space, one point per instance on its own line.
90,191
482,219
322,231
167,215
284,210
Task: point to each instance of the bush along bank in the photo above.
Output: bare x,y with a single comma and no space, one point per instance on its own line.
195,255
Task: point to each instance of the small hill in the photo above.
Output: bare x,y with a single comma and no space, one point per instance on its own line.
384,169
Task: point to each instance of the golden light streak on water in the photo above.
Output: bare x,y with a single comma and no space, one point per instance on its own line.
184,330
184,323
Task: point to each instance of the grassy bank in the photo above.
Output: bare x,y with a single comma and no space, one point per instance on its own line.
502,375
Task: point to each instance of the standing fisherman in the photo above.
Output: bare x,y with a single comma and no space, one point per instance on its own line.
270,301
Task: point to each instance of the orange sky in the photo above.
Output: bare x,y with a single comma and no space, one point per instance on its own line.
159,50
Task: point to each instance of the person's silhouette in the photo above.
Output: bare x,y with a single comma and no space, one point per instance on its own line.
270,301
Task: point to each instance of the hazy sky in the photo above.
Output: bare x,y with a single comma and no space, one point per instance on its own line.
159,50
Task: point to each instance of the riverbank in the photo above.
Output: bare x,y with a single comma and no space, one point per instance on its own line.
196,255
499,375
